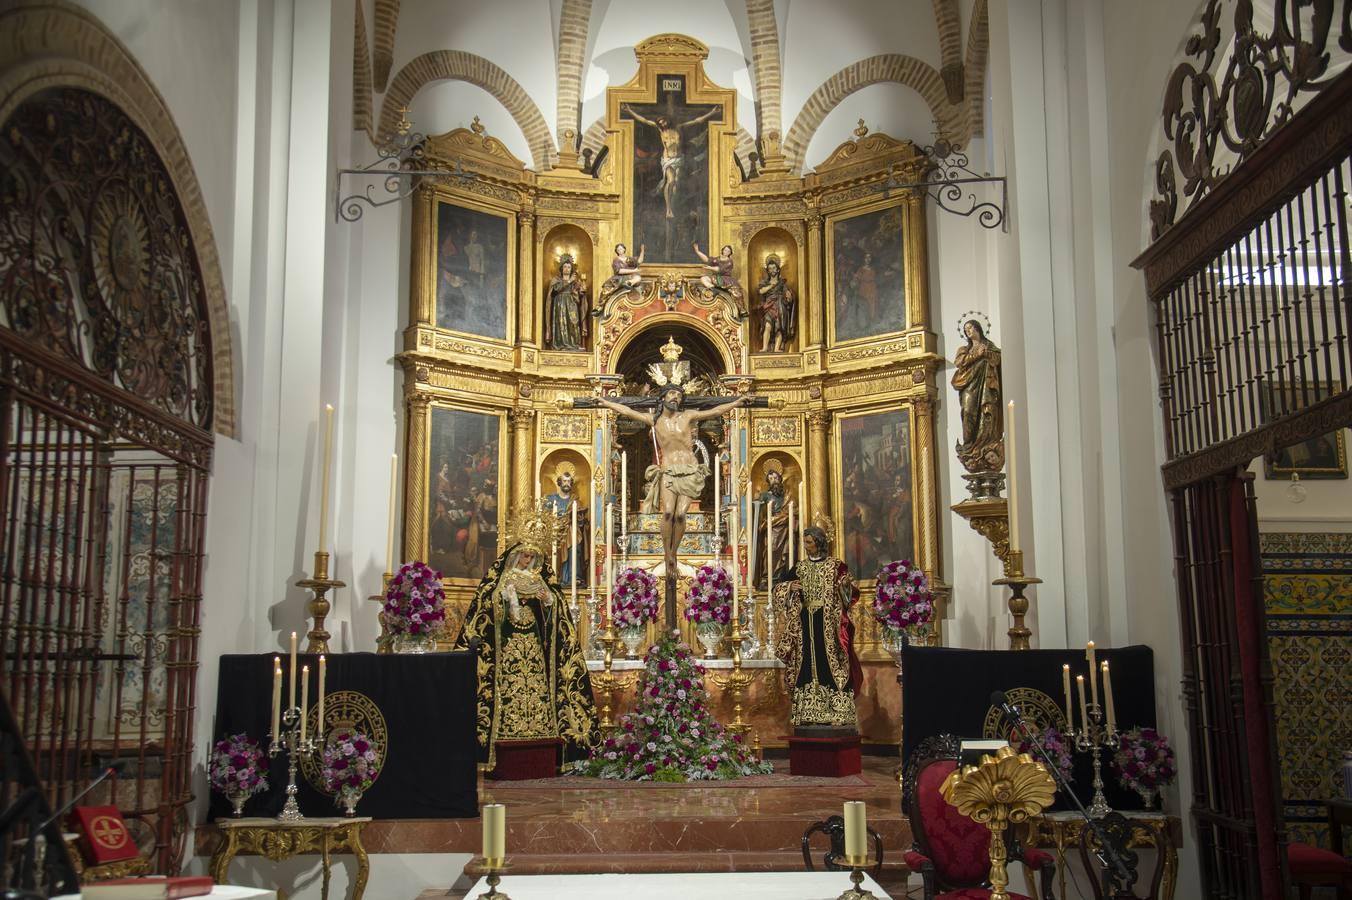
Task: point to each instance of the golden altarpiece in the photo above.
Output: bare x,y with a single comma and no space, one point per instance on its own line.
514,313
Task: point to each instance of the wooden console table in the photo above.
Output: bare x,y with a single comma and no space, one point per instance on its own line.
282,840
1060,831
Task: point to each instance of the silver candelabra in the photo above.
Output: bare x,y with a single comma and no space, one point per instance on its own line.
1093,738
292,745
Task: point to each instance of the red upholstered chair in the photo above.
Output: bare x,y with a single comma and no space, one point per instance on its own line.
1312,867
952,853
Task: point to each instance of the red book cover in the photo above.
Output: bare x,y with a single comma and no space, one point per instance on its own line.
148,888
103,834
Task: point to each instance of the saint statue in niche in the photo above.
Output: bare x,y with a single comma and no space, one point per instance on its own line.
778,308
566,308
976,377
561,502
626,272
774,513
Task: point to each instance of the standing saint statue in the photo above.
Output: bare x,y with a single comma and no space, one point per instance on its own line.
778,306
774,514
817,643
533,681
566,309
561,502
977,379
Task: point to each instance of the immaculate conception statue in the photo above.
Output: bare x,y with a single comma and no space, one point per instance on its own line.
533,681
817,643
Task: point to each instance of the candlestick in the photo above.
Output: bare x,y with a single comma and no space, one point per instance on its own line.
1108,697
610,561
324,478
595,560
572,549
323,670
276,696
1011,454
1065,683
718,505
856,826
304,700
495,833
750,537
291,696
389,536
624,495
1084,708
1093,671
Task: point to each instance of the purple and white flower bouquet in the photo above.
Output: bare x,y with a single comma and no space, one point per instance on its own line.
709,598
1058,748
415,602
238,765
903,601
1144,762
350,762
635,597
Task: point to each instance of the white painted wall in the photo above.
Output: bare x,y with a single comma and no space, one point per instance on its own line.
892,109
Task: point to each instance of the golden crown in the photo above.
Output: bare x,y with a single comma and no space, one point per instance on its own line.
672,371
536,528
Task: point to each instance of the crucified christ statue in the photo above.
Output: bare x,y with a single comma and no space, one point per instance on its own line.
673,154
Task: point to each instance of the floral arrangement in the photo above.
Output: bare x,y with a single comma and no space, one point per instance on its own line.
1144,761
709,598
635,593
671,735
1058,747
349,762
238,764
415,602
903,599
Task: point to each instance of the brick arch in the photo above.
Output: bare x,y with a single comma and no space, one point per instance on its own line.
765,66
62,46
881,69
574,29
387,23
457,65
974,69
949,22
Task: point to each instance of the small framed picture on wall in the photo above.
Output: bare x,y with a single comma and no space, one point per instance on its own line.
1323,456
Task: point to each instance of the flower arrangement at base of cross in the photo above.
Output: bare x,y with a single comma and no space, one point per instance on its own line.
238,769
1144,762
671,735
350,767
709,598
635,597
415,602
903,603
1058,747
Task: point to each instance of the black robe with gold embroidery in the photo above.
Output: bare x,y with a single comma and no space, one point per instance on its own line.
812,601
533,680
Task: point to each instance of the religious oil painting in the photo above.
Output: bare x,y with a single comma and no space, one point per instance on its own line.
868,275
473,255
465,463
1324,456
876,490
670,193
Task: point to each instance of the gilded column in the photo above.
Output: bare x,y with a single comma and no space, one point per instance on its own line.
819,428
816,277
415,478
523,452
422,275
526,276
926,488
917,276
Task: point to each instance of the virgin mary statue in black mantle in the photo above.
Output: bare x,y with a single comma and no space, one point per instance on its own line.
533,681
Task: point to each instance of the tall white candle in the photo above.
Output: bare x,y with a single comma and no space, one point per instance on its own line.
291,696
610,561
572,548
324,479
276,695
1084,710
734,531
856,826
495,832
624,494
323,670
1012,463
750,539
718,506
304,699
792,536
769,551
394,502
1108,697
592,526
1093,670
1065,685
802,510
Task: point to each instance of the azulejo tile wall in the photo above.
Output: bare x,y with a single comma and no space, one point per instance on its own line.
1307,592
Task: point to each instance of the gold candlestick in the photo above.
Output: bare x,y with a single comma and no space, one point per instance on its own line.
493,869
318,606
737,681
607,681
1017,580
385,640
857,891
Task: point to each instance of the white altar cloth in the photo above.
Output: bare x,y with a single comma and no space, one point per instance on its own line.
219,892
678,886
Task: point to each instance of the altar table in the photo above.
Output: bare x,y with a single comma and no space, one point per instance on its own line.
282,840
419,706
219,892
678,886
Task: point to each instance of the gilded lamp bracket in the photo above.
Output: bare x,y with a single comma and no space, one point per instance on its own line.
948,172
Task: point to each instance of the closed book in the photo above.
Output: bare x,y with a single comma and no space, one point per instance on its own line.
148,888
103,834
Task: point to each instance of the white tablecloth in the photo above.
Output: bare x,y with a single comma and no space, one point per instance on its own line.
219,892
679,886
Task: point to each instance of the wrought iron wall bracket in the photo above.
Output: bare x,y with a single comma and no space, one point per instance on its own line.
950,173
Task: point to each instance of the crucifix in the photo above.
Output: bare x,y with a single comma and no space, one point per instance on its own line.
672,418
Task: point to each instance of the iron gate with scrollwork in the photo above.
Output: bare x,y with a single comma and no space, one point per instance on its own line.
105,450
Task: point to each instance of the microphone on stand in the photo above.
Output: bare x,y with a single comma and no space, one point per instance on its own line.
114,769
1116,868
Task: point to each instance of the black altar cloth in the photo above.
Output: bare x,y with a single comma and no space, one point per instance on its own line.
947,691
430,768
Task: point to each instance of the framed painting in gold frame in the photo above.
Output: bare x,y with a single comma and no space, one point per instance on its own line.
874,479
468,284
868,272
466,453
1321,457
